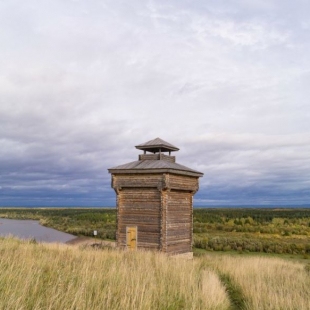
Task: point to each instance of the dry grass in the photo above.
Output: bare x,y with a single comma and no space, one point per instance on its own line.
51,276
39,276
267,283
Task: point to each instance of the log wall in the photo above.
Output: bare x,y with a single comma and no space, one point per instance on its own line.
139,207
182,182
179,222
160,205
139,181
161,181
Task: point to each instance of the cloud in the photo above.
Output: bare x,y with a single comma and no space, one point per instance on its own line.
270,170
82,83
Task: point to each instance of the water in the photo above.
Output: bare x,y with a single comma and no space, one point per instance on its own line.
29,229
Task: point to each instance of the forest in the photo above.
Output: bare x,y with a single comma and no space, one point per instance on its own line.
266,230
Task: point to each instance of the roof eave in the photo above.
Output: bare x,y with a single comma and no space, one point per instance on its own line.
158,170
163,148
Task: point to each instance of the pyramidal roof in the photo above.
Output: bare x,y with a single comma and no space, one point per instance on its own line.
157,145
155,163
151,166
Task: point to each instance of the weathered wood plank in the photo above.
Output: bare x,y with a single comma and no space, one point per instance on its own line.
160,205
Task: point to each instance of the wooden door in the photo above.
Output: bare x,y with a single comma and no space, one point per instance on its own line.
131,237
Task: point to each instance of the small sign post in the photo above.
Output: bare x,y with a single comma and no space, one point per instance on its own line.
95,233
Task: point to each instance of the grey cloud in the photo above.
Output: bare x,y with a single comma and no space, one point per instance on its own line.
82,83
256,169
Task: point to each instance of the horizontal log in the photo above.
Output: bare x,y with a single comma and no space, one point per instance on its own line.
141,217
178,228
180,238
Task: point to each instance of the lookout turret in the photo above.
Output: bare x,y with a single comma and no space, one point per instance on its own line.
155,200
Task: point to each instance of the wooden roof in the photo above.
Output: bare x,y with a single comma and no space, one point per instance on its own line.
157,145
154,166
148,164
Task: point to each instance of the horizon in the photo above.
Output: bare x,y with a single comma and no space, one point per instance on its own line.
306,206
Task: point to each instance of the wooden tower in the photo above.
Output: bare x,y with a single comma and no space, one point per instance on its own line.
155,200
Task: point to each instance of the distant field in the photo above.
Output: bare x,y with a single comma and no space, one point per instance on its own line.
52,276
281,231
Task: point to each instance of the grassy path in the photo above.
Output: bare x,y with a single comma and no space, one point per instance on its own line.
263,283
234,292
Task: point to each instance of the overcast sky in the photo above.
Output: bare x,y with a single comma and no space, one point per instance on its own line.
83,82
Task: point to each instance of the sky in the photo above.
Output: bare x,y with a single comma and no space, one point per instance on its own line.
83,82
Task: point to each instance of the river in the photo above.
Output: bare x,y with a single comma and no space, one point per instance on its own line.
29,229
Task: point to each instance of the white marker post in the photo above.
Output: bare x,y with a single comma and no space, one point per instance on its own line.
95,233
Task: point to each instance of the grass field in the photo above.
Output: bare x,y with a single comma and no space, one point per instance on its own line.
53,276
265,283
42,276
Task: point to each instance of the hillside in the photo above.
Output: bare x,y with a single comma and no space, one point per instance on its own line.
54,276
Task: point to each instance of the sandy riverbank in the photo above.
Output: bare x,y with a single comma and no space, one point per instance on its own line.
90,242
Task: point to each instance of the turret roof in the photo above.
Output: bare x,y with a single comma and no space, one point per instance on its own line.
157,145
157,163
